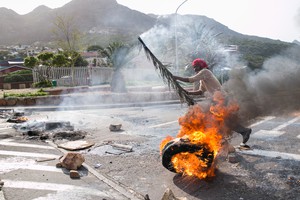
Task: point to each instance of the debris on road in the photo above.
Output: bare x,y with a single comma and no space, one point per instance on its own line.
5,113
111,148
293,181
76,145
232,158
43,130
44,160
74,174
115,127
17,117
71,161
97,165
122,147
169,195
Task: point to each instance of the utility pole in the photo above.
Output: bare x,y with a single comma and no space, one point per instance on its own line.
176,43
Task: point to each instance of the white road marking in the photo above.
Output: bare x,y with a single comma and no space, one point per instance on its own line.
53,187
275,132
282,126
5,129
262,121
176,121
7,167
265,134
272,154
26,154
7,143
163,124
7,140
298,136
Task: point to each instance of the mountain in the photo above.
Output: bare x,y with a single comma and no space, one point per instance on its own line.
98,16
98,19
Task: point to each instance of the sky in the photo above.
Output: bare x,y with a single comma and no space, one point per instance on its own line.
275,19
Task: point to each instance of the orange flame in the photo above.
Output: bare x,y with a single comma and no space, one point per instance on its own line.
202,126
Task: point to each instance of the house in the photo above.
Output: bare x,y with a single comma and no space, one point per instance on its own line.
11,66
8,69
4,70
93,58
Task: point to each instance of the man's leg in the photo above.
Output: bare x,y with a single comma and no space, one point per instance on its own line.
245,132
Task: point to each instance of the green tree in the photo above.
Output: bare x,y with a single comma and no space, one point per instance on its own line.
48,60
33,62
80,62
94,48
68,38
60,60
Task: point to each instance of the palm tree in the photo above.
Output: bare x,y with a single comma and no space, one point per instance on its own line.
118,55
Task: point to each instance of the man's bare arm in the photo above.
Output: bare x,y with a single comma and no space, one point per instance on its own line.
198,92
181,79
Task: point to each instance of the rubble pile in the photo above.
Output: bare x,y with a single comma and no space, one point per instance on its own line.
55,130
5,113
42,130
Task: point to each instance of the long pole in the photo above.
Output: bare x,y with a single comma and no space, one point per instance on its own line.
176,43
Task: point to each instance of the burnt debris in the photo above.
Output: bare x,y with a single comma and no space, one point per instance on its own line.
55,130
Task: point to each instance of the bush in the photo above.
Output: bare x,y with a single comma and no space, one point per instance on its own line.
42,84
18,76
22,72
40,92
13,78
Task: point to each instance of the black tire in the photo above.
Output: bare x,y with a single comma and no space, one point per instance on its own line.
174,147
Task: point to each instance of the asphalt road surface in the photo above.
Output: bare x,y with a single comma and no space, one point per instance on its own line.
269,170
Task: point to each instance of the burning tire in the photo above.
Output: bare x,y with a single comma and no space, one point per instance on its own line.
177,146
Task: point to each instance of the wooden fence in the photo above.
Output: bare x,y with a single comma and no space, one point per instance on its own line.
82,75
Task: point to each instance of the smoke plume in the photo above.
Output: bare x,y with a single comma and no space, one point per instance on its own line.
274,90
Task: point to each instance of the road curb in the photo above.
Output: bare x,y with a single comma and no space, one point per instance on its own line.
122,189
95,106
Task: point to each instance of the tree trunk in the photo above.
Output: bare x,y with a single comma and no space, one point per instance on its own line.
118,83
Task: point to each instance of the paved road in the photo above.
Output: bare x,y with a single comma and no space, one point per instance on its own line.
28,172
276,137
270,170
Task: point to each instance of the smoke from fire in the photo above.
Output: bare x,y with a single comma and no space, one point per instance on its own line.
273,90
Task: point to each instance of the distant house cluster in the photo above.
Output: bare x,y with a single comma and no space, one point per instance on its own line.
12,57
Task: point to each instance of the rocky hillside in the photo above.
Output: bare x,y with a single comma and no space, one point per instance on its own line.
98,19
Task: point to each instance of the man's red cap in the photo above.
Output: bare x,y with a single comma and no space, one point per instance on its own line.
199,63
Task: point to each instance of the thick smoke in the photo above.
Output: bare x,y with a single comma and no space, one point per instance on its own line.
274,90
194,39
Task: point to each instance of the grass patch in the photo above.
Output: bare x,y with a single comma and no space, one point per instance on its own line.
40,92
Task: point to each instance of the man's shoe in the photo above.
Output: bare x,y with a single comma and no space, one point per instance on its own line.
246,135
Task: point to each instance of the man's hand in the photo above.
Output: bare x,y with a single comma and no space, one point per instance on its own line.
184,79
198,92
